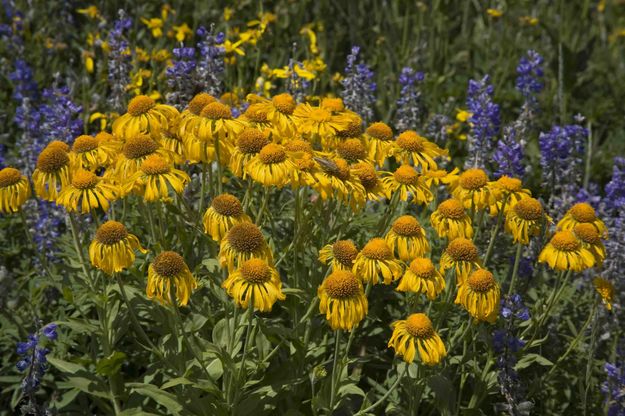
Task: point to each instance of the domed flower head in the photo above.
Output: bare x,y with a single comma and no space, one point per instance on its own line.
409,147
588,235
136,149
271,166
462,256
307,171
279,111
242,242
87,192
169,269
255,281
90,153
450,220
342,254
248,144
342,300
582,212
352,150
333,104
144,116
416,333
479,295
113,248
509,191
171,142
225,212
407,182
59,145
336,179
436,177
525,219
216,123
155,178
407,238
353,130
422,277
565,252
376,260
191,115
375,190
14,190
52,173
255,116
379,140
473,190
605,289
317,122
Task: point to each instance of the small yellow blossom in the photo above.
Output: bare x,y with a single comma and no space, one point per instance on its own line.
182,31
494,12
155,25
91,12
529,20
228,13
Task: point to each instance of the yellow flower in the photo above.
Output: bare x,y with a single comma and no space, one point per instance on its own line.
144,116
92,11
336,179
89,153
279,111
255,281
375,261
605,289
463,116
14,190
134,151
472,189
450,220
155,178
155,25
342,300
494,13
407,182
525,219
375,190
242,242
582,212
461,255
271,166
341,254
248,144
352,150
479,295
508,190
113,248
379,139
169,269
225,212
317,121
590,239
412,148
52,173
228,13
312,38
89,63
333,104
422,277
565,252
529,20
417,333
436,177
103,118
87,192
182,31
256,117
407,238
216,122
232,50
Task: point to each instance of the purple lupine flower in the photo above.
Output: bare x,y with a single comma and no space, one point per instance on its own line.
436,128
180,76
410,108
615,189
119,58
508,154
485,121
24,85
211,68
529,77
358,86
33,361
613,388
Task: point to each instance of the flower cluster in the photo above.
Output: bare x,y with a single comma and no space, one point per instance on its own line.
358,86
529,77
614,388
485,121
410,109
33,361
119,60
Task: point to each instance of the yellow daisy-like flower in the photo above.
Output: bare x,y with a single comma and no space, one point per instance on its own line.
461,255
589,237
336,178
407,182
352,131
52,173
14,190
605,289
342,254
255,281
565,252
171,142
248,144
422,277
582,212
407,238
416,333
508,190
135,151
216,123
410,147
155,178
375,190
352,150
144,116
307,171
436,177
525,219
376,260
191,115
279,111
379,140
256,117
450,220
169,269
242,242
225,212
479,295
271,166
113,248
342,300
90,153
333,104
58,145
87,192
472,189
317,121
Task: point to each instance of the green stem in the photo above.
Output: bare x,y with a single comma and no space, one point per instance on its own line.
337,347
263,207
246,345
515,268
388,393
202,191
493,235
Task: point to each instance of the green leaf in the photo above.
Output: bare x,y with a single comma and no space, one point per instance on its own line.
350,388
110,365
136,411
66,366
176,382
168,400
530,359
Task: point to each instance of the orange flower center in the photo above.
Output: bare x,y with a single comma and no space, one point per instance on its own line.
111,232
333,104
272,153
406,175
510,184
587,233
169,264
227,205
84,144
419,326
9,176
353,129
256,271
284,103
367,175
50,160
83,179
320,115
583,212
473,179
345,252
216,111
452,209
341,284
245,237
411,141
407,226
462,249
251,141
380,131
59,145
141,104
377,249
139,146
352,150
565,241
481,280
529,209
422,267
155,165
200,101
256,113
298,145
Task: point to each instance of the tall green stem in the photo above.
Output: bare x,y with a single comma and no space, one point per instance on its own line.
515,268
335,377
